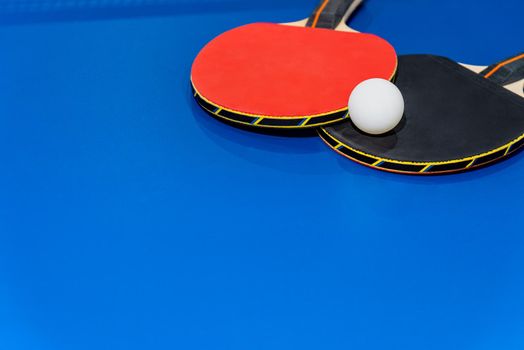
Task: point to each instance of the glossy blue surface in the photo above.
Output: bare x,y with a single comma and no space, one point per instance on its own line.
130,219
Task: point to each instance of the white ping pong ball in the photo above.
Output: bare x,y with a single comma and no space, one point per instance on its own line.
376,106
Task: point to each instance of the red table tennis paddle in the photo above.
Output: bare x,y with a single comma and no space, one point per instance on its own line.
294,75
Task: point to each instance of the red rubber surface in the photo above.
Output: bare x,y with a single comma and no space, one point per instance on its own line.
278,70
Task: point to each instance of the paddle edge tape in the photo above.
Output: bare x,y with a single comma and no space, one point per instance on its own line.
284,122
420,168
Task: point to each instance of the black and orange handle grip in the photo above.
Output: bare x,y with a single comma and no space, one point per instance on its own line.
506,71
329,13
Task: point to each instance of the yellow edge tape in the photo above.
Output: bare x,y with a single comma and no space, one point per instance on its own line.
428,164
264,116
269,126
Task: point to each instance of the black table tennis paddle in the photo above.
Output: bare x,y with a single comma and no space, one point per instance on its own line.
456,117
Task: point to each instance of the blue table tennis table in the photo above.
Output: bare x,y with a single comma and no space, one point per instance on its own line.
131,219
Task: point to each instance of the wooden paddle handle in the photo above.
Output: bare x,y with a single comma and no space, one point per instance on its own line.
330,13
507,71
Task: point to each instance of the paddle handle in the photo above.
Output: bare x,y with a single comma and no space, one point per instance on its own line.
330,13
507,71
